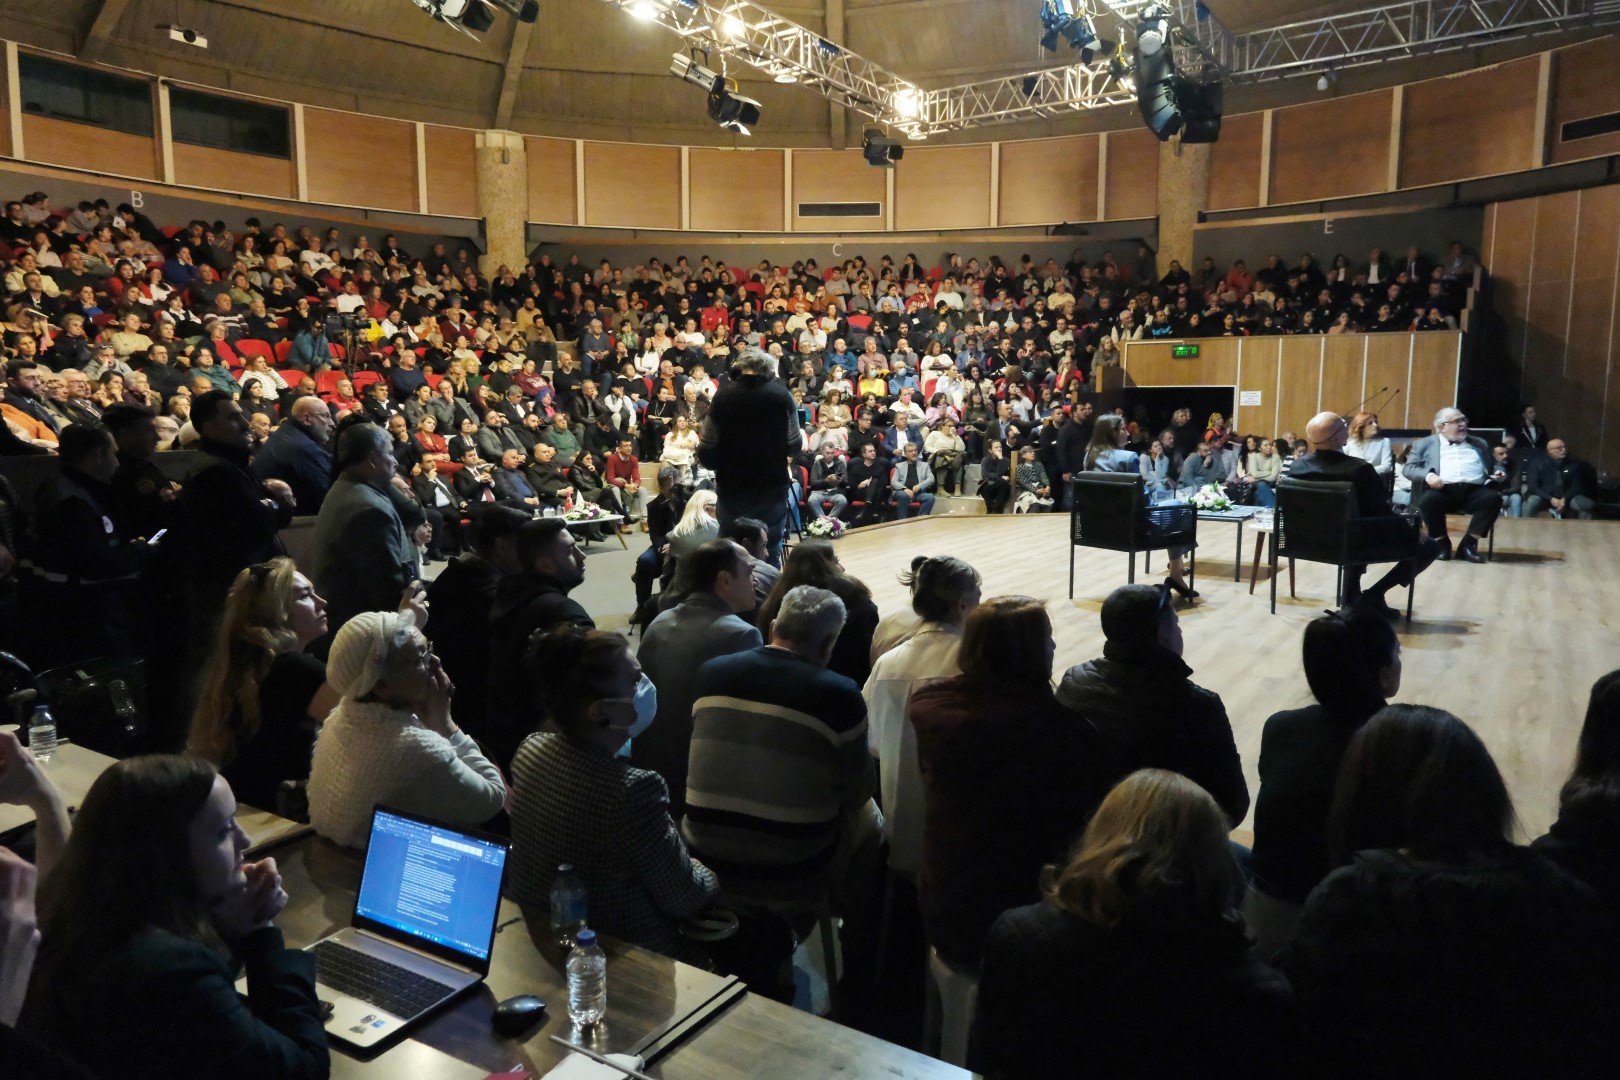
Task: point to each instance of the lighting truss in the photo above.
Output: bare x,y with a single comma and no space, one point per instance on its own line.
1399,31
745,32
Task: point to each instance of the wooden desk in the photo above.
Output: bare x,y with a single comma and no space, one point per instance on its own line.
754,1038
72,769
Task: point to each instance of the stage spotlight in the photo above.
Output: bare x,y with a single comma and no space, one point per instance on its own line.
644,9
1152,31
726,107
1063,18
1170,105
880,149
471,17
525,10
907,103
1121,68
732,26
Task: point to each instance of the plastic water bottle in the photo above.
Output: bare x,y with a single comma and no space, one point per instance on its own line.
567,906
42,733
587,980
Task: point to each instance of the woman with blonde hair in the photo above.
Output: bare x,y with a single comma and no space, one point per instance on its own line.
1139,937
262,698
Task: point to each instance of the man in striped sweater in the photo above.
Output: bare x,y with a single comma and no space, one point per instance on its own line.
779,789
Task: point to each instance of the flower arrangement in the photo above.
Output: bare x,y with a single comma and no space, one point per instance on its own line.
826,528
585,511
1210,497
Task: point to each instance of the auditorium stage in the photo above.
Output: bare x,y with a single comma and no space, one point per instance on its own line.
1512,647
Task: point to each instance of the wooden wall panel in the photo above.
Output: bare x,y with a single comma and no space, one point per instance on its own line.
838,176
1299,374
1258,372
1331,149
1234,163
1344,363
80,146
1133,175
1149,363
452,171
943,187
354,160
1389,363
1584,86
632,187
1476,124
223,170
1049,181
736,190
553,195
1433,383
5,112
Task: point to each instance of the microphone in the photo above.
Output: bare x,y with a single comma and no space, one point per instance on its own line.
1364,401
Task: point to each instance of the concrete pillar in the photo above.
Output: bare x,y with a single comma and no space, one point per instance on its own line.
503,199
1183,192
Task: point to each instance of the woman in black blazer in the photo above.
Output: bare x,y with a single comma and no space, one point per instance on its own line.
141,923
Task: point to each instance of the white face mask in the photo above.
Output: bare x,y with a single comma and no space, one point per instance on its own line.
646,705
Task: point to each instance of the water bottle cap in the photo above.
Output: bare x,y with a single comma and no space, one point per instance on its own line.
565,868
585,938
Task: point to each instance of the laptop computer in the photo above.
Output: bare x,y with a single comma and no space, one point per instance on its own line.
422,930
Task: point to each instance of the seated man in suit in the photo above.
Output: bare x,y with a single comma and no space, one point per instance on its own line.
512,486
898,436
1558,483
434,493
1453,472
547,475
1327,433
911,479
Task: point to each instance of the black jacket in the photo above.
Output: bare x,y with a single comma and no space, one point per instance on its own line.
751,431
525,604
1300,751
1564,479
1371,501
1497,966
1585,841
459,602
226,526
1063,997
1011,778
1151,715
294,455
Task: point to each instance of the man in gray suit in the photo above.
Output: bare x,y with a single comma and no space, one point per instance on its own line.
363,557
679,642
1453,472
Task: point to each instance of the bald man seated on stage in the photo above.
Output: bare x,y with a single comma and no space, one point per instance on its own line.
1327,433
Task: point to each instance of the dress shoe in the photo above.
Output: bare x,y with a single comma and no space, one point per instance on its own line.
1445,552
1373,604
1469,550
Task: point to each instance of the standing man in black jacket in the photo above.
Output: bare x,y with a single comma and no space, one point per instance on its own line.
750,433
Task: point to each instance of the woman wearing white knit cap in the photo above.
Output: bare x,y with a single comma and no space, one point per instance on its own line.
391,739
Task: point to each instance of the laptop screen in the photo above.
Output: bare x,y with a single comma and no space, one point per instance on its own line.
432,882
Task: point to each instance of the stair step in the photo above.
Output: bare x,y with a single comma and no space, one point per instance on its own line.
958,505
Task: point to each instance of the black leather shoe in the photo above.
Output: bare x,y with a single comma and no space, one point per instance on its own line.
1445,552
1470,551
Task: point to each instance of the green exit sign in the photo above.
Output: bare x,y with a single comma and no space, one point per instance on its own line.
1184,352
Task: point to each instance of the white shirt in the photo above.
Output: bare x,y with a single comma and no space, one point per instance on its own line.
1459,463
930,655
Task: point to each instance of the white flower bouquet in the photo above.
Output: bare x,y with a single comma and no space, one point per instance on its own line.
1210,497
585,511
825,528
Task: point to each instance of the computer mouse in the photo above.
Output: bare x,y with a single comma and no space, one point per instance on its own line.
516,1015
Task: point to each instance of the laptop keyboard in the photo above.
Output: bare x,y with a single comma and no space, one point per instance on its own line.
377,982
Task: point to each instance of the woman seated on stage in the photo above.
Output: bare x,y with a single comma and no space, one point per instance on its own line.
1106,453
142,921
1368,444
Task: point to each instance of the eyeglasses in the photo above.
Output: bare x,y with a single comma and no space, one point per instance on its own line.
1454,420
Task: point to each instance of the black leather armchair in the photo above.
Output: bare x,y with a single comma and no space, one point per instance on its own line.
1316,521
1111,511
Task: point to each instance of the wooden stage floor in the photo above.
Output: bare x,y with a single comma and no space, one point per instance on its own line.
1512,647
